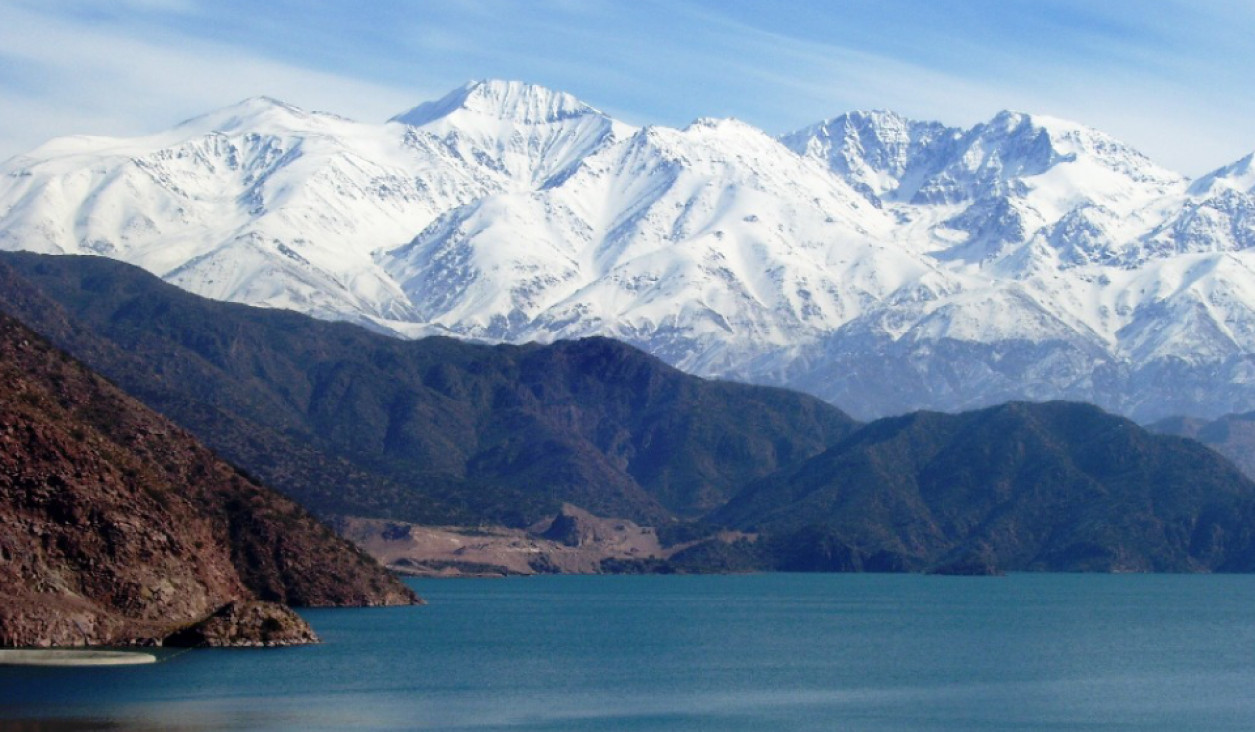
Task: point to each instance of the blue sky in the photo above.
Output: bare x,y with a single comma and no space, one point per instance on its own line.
1169,77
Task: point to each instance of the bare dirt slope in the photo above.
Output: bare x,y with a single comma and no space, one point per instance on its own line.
572,542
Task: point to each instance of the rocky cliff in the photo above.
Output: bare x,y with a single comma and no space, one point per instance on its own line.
116,526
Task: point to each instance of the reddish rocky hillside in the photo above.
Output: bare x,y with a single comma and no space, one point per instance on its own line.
117,526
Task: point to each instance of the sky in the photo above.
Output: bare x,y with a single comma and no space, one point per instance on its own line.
1170,77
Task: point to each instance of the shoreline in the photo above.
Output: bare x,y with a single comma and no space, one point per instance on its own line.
72,657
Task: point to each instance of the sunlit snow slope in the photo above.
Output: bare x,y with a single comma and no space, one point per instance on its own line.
883,263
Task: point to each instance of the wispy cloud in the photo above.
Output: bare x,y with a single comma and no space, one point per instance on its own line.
1168,77
78,77
1162,76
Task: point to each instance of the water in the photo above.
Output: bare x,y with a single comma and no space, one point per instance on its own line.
754,652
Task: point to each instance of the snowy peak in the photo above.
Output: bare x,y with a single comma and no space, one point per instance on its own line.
1238,176
519,136
255,114
723,125
1041,141
884,263
725,139
512,101
1018,144
892,158
1003,156
1217,216
877,152
989,192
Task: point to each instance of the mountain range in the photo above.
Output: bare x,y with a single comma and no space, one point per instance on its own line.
1046,486
433,431
881,263
356,424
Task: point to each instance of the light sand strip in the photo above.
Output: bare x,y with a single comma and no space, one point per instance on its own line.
71,657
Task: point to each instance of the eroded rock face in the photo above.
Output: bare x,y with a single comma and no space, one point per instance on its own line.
246,624
116,526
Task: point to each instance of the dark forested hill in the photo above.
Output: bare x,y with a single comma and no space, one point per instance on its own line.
350,422
440,431
1055,486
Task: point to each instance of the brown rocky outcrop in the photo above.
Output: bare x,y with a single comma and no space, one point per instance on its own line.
117,527
246,624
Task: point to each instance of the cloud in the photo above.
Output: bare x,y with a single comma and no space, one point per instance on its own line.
75,78
1168,78
1148,77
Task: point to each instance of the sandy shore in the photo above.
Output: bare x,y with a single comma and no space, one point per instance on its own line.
71,657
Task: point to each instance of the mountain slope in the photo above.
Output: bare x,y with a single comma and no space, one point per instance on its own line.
1232,435
1052,486
882,263
117,525
439,431
661,234
432,431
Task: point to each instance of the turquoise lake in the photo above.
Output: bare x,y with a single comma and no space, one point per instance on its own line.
744,652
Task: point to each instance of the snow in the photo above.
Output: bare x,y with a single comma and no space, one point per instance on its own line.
1237,176
1024,248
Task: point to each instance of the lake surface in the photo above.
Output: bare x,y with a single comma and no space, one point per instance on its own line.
751,652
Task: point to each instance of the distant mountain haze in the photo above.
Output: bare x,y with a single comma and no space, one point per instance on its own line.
1231,435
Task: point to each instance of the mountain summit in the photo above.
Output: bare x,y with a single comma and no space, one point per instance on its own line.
515,101
883,263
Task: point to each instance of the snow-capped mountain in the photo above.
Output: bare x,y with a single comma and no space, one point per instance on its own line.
883,263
